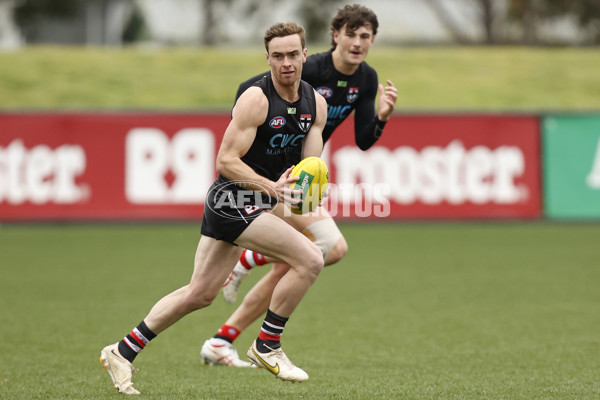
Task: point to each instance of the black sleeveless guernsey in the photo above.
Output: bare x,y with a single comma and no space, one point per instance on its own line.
276,147
279,140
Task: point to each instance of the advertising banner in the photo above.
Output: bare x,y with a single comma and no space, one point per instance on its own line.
442,167
571,145
106,166
159,166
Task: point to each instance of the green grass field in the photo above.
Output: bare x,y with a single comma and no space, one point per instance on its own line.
415,311
440,79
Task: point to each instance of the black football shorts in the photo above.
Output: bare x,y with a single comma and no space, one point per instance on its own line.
229,209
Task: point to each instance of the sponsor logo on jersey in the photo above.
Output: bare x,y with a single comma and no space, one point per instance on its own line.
336,114
284,143
342,83
325,91
291,110
277,122
352,94
305,122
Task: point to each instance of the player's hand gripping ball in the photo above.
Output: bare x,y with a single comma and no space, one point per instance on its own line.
313,179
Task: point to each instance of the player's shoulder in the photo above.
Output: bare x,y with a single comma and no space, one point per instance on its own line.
253,93
251,100
367,76
317,65
306,86
312,94
319,99
366,70
319,58
249,82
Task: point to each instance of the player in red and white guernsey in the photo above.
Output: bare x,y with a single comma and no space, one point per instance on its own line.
348,84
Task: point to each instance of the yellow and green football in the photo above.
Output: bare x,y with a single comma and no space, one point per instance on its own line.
313,179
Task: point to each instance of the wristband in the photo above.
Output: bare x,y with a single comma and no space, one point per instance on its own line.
378,127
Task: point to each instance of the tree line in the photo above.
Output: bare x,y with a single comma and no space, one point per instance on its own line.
501,21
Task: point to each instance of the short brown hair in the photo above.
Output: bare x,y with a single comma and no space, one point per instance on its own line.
353,16
284,29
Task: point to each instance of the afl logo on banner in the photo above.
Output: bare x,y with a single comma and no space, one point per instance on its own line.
277,122
325,91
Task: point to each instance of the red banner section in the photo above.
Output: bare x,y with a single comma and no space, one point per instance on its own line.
441,167
137,166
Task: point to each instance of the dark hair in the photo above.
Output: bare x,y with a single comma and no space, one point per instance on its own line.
353,16
282,30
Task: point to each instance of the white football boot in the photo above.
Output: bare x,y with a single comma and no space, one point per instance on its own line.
232,284
277,363
220,352
120,370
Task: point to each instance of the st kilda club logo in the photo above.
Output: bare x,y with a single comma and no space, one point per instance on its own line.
352,94
305,122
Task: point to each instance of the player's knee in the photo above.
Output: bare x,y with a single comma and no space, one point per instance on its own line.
201,302
195,300
313,262
327,237
338,251
278,271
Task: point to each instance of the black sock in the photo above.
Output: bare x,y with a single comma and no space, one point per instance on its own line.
135,341
269,337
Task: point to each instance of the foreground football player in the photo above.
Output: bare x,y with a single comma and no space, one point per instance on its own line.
247,162
348,83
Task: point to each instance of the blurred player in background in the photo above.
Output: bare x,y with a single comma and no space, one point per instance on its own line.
348,84
245,161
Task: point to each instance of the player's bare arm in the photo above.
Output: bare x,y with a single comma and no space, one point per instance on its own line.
248,114
387,100
313,144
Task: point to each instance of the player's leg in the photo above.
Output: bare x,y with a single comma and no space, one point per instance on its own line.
219,349
272,236
317,226
322,230
212,264
248,260
325,234
256,302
